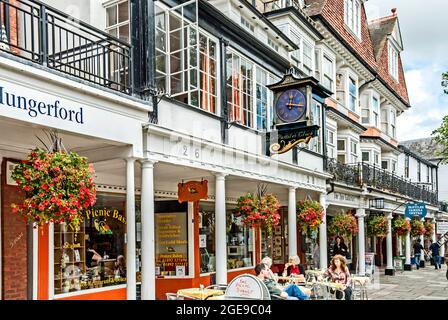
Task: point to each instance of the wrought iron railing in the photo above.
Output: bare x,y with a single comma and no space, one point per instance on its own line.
272,5
42,34
360,174
443,206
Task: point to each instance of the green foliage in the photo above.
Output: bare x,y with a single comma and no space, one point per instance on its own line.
441,134
377,226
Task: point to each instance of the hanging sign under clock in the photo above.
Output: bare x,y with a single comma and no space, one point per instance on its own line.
290,105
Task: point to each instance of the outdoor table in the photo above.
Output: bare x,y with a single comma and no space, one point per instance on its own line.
361,280
296,280
200,293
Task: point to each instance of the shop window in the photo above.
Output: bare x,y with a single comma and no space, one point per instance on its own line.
171,244
94,255
240,243
207,246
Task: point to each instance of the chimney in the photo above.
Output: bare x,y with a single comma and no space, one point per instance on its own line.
394,11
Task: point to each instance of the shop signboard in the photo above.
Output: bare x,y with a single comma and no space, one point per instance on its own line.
442,227
171,243
369,262
417,209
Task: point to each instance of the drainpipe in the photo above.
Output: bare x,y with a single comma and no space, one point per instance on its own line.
365,84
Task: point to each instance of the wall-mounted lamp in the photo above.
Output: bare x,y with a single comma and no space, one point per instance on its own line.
377,203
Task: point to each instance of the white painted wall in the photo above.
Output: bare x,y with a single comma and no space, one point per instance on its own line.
443,182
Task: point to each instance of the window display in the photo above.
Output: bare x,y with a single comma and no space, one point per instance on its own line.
240,242
171,239
94,255
207,236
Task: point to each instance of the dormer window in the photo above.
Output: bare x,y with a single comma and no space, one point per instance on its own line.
352,14
393,62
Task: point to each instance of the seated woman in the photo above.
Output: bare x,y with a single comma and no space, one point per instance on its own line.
293,267
339,273
291,292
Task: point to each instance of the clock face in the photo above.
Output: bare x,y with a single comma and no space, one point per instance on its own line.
291,105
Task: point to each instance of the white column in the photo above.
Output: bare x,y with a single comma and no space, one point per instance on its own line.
148,254
442,250
408,246
360,214
390,265
400,245
292,222
323,233
131,292
434,235
220,229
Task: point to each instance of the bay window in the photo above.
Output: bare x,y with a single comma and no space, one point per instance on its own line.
392,124
353,151
331,148
315,143
352,101
327,68
239,89
186,58
307,58
264,99
375,109
366,156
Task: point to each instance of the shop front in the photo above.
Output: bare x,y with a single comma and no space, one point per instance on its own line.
57,261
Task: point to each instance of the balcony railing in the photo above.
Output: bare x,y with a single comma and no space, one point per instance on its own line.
443,206
272,5
360,174
44,35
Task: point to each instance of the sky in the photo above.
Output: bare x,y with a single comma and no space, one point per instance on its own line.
424,29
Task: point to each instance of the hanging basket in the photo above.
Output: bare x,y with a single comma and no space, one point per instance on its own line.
401,226
344,225
57,187
417,228
258,211
429,229
310,215
377,226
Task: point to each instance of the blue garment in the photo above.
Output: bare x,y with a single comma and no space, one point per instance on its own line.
417,260
293,290
434,249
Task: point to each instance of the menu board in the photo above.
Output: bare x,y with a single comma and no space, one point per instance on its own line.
171,242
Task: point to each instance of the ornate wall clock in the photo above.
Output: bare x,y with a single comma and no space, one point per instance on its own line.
290,105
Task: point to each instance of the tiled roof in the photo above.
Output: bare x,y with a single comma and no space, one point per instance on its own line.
314,7
426,148
372,49
379,30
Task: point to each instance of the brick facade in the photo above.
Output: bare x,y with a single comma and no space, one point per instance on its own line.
14,244
333,12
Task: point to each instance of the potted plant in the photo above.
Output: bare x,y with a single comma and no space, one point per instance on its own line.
57,185
377,226
310,215
401,226
417,228
343,224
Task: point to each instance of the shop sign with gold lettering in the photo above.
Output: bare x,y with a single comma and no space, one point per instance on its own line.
288,136
192,191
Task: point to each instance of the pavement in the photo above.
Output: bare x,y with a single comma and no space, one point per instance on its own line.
423,284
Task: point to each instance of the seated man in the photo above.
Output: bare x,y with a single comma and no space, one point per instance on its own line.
291,292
